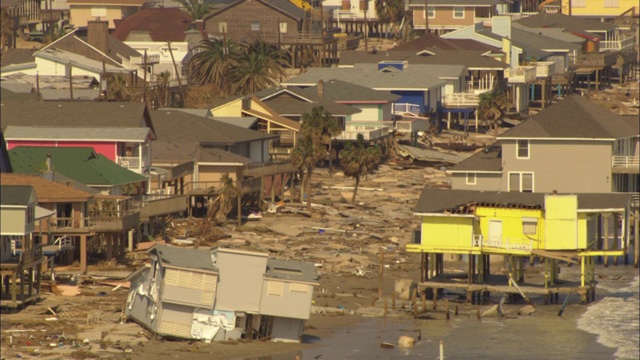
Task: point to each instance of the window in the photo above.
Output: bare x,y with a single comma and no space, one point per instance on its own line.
431,12
471,178
283,28
255,26
222,28
612,3
529,226
579,3
522,149
521,181
458,12
275,288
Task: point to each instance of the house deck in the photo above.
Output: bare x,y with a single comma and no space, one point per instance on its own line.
496,283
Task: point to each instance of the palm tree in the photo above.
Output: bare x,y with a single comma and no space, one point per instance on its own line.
7,28
391,12
197,9
304,157
162,88
260,66
213,61
357,160
325,126
117,88
492,106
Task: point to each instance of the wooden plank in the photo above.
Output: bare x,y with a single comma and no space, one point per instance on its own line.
562,256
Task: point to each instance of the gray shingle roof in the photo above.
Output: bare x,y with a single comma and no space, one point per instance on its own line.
571,23
428,41
338,90
489,159
283,6
185,257
292,101
73,114
573,117
136,134
179,126
242,121
15,194
441,200
413,78
291,270
220,156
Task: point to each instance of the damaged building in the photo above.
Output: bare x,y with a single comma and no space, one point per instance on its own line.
221,294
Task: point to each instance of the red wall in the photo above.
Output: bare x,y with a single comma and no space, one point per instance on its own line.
107,149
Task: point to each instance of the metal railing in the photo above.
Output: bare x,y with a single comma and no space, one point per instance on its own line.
151,59
64,242
625,161
402,108
521,74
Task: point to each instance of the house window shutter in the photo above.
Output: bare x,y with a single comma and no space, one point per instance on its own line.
346,4
529,226
275,288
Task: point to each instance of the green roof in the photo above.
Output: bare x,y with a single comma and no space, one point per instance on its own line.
80,164
15,194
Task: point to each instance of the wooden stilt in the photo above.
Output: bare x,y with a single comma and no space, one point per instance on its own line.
605,241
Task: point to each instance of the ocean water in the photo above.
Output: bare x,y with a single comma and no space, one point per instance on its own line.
615,316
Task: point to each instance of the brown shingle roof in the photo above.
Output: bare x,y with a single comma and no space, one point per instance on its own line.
442,200
573,117
17,56
47,191
163,24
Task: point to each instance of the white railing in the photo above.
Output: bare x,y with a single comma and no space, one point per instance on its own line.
129,162
521,74
13,247
354,15
545,68
625,161
403,108
461,99
401,125
368,132
151,59
517,244
617,45
63,242
479,86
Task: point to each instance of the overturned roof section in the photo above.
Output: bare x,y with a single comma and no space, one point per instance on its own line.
462,201
573,117
189,258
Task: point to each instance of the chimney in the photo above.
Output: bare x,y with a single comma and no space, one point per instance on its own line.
97,34
320,88
49,165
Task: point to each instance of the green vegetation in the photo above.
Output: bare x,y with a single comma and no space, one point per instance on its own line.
358,160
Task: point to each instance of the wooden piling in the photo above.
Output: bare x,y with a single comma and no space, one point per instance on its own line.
393,300
605,244
381,273
636,235
447,308
386,309
615,237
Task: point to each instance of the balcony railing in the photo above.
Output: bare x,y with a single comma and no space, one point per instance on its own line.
354,15
462,99
111,221
408,125
619,45
130,162
521,74
403,108
369,132
513,244
545,68
268,168
151,59
69,225
625,161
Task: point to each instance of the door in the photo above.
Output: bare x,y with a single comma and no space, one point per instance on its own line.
495,233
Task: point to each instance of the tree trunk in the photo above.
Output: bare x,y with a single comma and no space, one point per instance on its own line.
355,190
309,172
330,157
302,186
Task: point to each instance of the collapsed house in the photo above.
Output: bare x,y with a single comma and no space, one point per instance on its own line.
221,294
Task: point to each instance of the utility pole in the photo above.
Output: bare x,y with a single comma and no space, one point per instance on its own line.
366,25
426,16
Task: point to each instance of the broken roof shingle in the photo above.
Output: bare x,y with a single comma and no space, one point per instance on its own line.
188,258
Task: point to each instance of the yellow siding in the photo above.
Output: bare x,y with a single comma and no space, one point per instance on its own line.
561,227
597,8
582,231
447,232
12,222
232,108
512,227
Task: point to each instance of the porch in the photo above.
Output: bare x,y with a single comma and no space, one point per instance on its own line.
370,131
521,74
159,204
20,278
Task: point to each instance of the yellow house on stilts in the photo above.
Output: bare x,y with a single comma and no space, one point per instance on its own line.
573,228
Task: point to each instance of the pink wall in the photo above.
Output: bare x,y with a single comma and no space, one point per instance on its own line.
107,149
